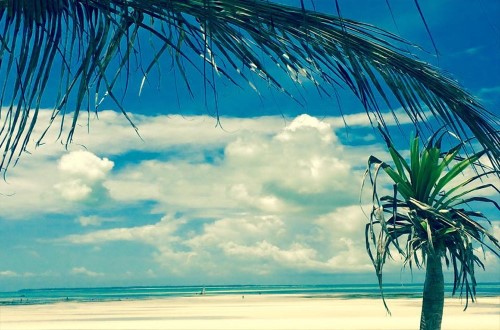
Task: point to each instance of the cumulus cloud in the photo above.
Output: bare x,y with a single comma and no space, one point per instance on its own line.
84,173
301,127
245,244
297,257
73,190
299,168
256,198
198,146
85,164
282,199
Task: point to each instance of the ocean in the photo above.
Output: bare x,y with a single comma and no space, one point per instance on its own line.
54,295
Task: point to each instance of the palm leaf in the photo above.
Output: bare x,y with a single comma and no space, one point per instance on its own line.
90,43
454,172
432,224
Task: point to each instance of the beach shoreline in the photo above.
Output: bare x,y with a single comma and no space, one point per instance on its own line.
247,312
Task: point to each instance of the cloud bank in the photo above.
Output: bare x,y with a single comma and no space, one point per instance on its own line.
261,198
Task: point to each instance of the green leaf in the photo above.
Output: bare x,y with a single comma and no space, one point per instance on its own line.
431,222
456,170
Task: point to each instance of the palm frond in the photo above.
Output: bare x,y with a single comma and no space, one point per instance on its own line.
84,47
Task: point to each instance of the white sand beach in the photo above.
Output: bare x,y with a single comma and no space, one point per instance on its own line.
248,312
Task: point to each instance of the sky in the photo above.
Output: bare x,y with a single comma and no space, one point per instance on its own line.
271,195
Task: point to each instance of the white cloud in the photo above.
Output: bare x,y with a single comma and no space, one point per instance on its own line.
95,220
247,244
256,198
90,220
287,171
149,233
51,185
50,176
362,119
84,271
73,190
112,134
243,229
83,173
268,202
85,164
8,273
303,125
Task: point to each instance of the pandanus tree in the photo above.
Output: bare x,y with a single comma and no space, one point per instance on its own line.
432,216
86,48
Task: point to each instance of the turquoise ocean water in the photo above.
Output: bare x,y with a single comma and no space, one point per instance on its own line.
45,296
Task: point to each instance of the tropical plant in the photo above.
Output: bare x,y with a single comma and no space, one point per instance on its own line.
86,47
430,219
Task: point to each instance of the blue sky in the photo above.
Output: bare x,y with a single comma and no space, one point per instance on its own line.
271,197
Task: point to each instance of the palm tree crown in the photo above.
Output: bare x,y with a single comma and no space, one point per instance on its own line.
430,216
85,46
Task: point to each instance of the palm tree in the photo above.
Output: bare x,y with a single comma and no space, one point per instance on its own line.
85,47
430,219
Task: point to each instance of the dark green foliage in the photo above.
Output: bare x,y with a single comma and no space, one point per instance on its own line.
84,48
431,215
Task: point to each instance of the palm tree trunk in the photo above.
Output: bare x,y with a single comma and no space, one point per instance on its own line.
433,297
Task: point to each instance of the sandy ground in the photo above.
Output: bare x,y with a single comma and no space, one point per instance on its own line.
250,312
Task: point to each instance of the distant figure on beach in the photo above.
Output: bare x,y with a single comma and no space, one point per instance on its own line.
202,292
